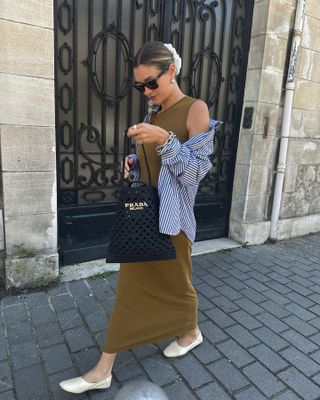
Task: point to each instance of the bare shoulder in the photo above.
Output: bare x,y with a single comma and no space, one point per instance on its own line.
198,118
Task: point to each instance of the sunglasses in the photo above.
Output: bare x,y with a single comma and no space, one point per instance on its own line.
150,84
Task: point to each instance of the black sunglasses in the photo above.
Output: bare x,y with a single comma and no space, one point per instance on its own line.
150,85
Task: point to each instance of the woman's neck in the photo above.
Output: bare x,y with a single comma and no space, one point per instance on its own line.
172,99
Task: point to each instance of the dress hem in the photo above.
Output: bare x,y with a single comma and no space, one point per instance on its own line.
153,340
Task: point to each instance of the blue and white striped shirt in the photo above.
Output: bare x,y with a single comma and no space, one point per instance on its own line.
183,166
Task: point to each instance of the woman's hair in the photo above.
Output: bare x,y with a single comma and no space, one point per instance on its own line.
154,53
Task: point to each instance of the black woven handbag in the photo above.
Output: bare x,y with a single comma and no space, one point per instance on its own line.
135,235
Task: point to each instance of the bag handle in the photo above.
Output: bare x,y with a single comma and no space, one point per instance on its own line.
126,145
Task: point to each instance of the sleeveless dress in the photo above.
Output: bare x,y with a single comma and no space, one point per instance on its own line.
155,300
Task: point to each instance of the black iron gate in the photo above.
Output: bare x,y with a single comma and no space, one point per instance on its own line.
95,41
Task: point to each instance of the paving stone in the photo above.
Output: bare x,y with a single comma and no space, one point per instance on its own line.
49,334
61,288
42,315
69,319
279,278
249,306
242,336
260,277
230,377
78,339
229,292
279,287
256,285
315,309
270,338
246,320
147,350
287,396
3,352
299,289
275,309
56,358
263,379
207,290
234,283
11,300
300,312
302,362
38,299
225,304
235,353
272,322
78,289
20,332
22,379
253,295
300,384
203,303
210,392
206,352
5,377
87,305
9,395
178,391
160,371
96,321
268,358
250,394
24,355
212,332
303,301
15,313
211,280
62,302
220,318
277,297
299,341
302,327
301,281
192,371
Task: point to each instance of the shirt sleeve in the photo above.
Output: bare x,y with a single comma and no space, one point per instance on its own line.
189,162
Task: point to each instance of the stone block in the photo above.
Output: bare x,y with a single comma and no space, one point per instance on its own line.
256,208
22,272
271,85
306,95
304,63
315,67
26,100
256,53
275,52
312,8
244,147
269,114
305,225
26,50
241,178
252,88
260,176
290,178
26,148
238,206
303,151
31,12
280,19
260,18
36,191
311,30
1,231
251,234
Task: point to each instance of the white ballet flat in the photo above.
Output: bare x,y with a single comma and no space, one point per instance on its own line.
175,350
80,385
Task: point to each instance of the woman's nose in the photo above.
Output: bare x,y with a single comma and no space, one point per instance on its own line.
147,92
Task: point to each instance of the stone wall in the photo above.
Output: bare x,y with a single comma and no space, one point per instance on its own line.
28,141
258,147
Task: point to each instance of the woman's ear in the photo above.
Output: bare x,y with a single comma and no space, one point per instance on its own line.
172,71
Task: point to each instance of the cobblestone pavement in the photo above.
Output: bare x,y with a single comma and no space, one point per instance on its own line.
259,314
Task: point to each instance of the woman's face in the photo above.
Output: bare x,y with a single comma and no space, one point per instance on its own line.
146,73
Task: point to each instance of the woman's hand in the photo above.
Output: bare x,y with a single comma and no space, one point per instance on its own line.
127,165
148,133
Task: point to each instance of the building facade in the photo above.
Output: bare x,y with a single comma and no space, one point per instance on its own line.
28,140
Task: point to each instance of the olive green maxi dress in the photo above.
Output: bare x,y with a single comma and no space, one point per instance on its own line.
155,300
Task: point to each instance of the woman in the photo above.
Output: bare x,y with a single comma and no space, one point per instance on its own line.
156,300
